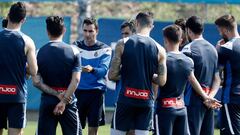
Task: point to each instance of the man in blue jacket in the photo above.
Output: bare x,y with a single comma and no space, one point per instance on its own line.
95,58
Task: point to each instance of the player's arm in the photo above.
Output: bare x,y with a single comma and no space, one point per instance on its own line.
196,86
155,90
215,85
60,107
31,56
114,70
223,55
101,70
38,83
216,80
221,74
28,76
72,86
208,101
161,77
76,73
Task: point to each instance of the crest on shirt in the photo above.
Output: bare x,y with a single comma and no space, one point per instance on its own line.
96,54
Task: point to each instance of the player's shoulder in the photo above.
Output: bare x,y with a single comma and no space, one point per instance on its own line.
229,45
71,47
74,49
158,45
103,48
187,60
187,48
28,40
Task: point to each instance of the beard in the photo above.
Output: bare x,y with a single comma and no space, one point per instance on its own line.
189,39
225,39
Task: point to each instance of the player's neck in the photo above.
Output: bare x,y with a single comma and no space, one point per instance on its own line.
233,35
13,26
173,48
59,39
90,43
195,36
144,31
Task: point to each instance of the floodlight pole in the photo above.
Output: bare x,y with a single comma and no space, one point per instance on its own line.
84,10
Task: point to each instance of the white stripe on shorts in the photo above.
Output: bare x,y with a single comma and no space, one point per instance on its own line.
78,123
228,119
156,124
114,118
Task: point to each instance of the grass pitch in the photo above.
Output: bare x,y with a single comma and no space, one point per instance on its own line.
103,130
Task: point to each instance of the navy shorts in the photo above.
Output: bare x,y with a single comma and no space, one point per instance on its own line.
200,120
230,119
91,107
69,120
169,121
127,117
14,114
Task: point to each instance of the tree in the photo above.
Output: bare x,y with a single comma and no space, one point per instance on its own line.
4,7
84,11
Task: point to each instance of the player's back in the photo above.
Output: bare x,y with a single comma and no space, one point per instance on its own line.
139,63
13,66
205,58
179,67
55,64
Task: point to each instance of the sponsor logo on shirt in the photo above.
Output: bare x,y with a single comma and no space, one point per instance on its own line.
172,102
137,93
59,89
8,89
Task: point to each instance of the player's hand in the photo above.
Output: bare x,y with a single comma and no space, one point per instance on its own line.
220,42
87,69
212,103
60,96
59,108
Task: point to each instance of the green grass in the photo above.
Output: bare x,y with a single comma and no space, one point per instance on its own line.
32,126
104,130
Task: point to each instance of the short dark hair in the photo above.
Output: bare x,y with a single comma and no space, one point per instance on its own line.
195,24
173,33
130,24
181,22
90,21
145,18
17,12
4,23
55,25
227,21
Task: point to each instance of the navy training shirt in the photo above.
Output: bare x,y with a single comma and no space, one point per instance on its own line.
56,62
205,59
179,67
229,55
139,63
13,88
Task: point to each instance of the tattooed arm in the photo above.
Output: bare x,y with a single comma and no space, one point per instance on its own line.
161,77
37,82
114,70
